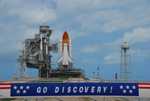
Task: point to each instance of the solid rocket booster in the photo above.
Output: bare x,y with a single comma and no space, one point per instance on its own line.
65,59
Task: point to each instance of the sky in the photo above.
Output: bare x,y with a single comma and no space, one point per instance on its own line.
97,29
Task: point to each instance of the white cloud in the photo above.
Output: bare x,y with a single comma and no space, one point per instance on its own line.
97,47
35,15
138,35
73,6
104,15
113,58
136,53
116,19
90,49
100,48
20,20
29,12
11,40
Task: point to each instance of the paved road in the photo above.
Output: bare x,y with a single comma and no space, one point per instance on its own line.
85,99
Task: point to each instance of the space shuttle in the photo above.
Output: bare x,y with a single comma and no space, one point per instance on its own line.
65,49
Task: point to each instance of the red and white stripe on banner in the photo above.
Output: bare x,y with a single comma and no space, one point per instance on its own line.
144,89
5,89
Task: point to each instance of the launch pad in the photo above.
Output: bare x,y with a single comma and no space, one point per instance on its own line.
37,52
72,73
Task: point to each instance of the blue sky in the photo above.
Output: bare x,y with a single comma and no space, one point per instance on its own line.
97,29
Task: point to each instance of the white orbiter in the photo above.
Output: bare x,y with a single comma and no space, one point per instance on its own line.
65,46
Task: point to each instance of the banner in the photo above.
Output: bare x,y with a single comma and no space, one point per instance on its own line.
74,89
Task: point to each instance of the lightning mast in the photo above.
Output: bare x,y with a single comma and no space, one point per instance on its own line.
124,72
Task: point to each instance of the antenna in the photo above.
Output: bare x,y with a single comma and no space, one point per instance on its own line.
124,73
98,73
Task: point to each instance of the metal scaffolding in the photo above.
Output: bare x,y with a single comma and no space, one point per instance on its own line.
36,52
